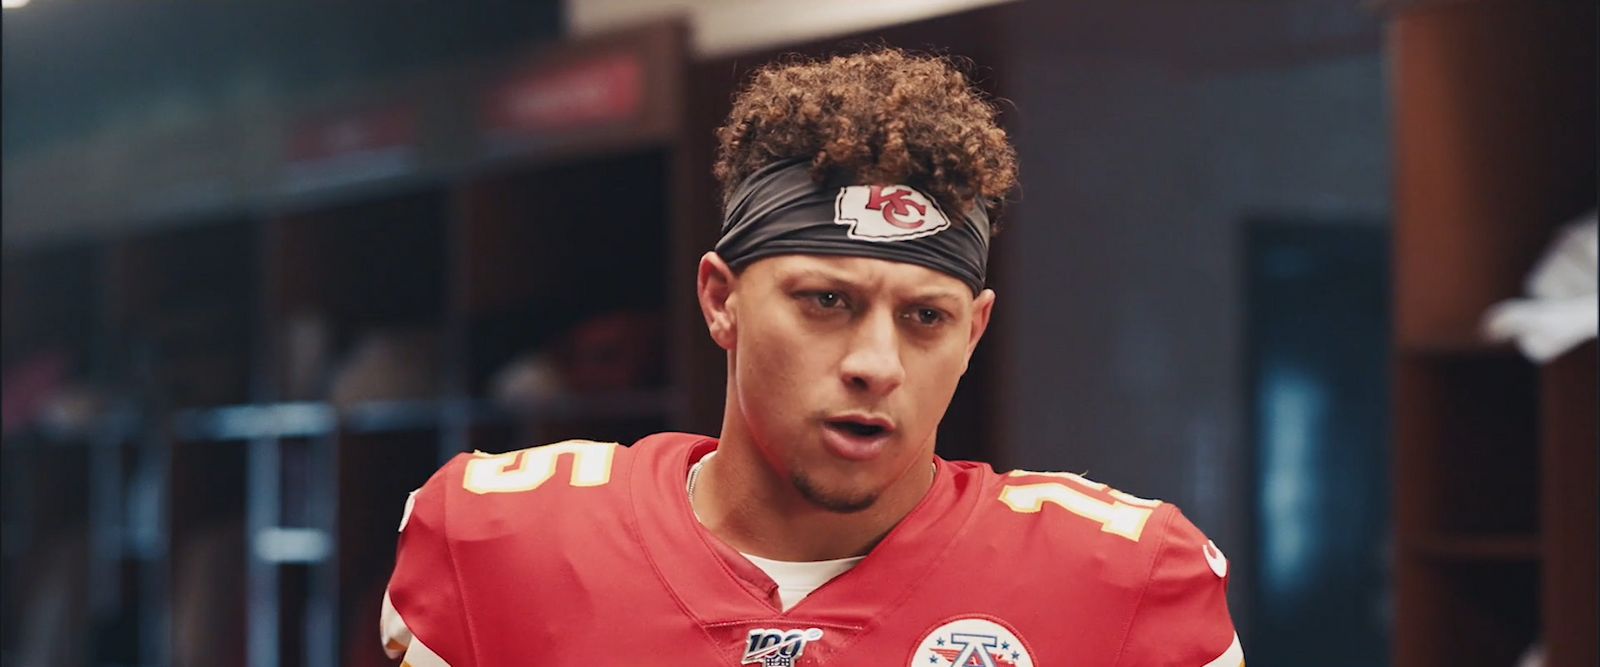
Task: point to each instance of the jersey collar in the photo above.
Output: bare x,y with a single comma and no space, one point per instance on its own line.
716,585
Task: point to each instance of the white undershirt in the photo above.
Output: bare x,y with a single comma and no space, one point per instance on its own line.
795,580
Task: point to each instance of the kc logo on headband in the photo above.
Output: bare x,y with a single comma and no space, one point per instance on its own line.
887,213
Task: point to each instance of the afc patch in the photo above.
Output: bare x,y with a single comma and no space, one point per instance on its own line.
971,641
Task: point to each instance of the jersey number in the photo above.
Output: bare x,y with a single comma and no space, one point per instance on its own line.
1124,516
527,469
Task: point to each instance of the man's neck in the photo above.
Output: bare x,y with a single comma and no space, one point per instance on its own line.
741,501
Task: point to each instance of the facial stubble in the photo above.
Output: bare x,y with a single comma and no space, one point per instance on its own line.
838,504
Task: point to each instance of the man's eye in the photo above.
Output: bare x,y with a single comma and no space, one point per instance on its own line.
927,316
828,299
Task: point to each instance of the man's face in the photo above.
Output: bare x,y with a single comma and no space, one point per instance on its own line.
842,367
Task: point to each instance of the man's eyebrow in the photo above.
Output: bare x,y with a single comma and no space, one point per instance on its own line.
787,279
796,275
950,297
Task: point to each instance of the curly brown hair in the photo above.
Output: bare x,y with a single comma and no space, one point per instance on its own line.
881,115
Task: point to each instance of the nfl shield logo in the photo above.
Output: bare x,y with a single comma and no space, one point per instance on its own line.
778,648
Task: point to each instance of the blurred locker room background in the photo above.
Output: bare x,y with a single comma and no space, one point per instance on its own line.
1321,272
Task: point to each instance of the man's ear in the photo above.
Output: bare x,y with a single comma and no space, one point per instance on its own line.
714,286
982,308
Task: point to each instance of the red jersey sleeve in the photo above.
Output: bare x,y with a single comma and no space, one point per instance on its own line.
1182,616
424,622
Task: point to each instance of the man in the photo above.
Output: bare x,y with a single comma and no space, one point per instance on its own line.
820,528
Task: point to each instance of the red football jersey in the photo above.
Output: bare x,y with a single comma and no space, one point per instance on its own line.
584,553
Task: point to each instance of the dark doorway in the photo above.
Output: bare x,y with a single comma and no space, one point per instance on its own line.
1317,309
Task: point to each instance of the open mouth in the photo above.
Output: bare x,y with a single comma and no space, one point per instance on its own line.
857,437
856,428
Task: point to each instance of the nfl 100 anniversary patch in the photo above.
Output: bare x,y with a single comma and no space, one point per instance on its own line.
770,647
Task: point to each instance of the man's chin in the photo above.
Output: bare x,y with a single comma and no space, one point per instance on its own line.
838,503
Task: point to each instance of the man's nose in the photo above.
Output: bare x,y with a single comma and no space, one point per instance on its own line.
872,363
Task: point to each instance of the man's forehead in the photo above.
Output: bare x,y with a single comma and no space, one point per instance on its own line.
862,271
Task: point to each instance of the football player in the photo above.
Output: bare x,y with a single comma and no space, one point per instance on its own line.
819,528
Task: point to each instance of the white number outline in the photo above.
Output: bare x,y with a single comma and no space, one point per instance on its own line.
1125,516
528,469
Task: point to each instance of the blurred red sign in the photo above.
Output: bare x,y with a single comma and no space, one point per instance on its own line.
541,101
338,134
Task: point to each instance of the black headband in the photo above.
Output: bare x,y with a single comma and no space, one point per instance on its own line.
778,210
